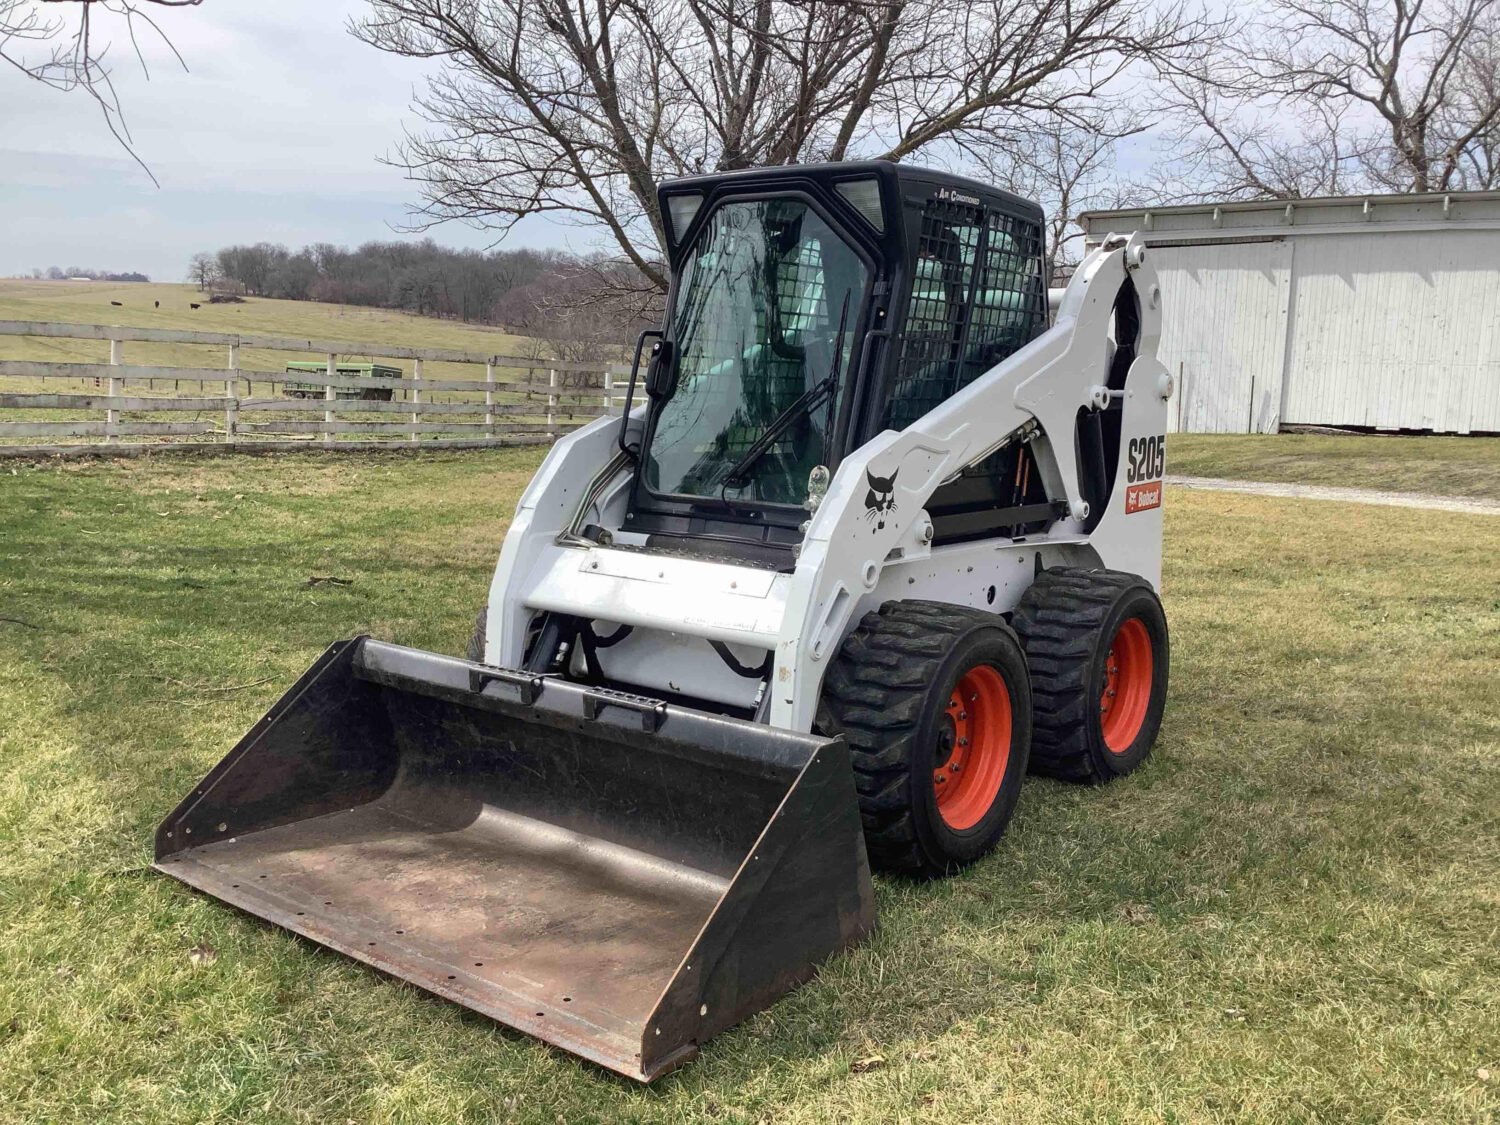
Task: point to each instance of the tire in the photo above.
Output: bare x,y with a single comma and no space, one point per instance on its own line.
475,651
894,694
1087,634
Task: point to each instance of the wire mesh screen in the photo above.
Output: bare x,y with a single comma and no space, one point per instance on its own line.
1009,302
928,361
976,297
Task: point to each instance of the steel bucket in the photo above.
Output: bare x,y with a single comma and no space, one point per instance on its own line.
616,876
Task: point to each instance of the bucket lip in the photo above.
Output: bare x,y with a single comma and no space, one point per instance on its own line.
542,1020
754,748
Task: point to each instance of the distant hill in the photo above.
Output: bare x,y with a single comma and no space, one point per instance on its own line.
170,306
75,273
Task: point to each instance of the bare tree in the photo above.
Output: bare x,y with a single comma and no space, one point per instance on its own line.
1241,146
576,108
58,43
203,270
1069,167
1323,97
1475,94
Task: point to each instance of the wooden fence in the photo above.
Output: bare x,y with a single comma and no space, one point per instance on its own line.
519,401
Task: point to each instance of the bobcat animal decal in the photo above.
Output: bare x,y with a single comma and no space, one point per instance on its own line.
880,500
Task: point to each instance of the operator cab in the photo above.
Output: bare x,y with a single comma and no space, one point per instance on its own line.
811,308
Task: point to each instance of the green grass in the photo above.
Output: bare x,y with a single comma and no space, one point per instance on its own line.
1290,914
90,303
77,302
1445,465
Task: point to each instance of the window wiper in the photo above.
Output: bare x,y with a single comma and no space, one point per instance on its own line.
805,403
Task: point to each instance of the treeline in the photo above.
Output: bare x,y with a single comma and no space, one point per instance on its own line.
57,273
571,301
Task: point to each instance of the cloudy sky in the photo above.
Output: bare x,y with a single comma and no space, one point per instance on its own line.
273,134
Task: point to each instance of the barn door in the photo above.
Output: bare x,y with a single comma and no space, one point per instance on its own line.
1224,333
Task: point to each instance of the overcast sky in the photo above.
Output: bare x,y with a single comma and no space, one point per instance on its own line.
274,134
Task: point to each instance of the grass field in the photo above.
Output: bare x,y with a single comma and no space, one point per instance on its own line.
1446,465
91,303
79,302
1290,915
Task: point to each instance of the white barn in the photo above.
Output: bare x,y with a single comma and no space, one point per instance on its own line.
1378,311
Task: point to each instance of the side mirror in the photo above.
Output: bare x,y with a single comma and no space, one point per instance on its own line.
661,372
635,370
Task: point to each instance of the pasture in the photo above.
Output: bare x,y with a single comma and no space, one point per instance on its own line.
155,372
90,302
1289,915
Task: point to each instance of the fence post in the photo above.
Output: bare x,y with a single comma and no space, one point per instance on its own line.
489,400
231,392
416,398
609,391
552,403
329,396
111,415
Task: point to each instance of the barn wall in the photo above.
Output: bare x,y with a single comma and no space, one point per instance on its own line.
1381,312
1224,334
1399,330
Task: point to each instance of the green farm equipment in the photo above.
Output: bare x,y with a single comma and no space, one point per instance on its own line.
307,388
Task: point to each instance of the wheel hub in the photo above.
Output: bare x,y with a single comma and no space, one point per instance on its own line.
1126,696
972,747
947,740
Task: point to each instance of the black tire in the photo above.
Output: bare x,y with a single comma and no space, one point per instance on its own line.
475,650
889,694
1069,622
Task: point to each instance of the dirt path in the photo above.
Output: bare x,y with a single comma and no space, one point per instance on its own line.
1348,495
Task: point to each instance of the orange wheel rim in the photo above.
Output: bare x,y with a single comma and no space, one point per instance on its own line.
1127,686
973,748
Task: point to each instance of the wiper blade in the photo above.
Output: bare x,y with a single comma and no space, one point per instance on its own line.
805,403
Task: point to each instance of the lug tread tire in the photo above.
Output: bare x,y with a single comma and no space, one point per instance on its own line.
1061,620
873,695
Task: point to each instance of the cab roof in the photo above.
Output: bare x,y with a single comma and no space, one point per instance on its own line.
904,188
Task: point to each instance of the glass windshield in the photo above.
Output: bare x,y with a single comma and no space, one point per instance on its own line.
757,326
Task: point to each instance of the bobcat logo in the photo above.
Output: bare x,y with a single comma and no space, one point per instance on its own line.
880,500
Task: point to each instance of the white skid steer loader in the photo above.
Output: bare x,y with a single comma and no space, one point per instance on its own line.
874,541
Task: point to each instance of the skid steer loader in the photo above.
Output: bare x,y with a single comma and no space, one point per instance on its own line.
869,541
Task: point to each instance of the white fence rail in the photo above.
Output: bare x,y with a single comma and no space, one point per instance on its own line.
518,401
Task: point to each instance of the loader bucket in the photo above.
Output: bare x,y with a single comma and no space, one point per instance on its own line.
616,876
